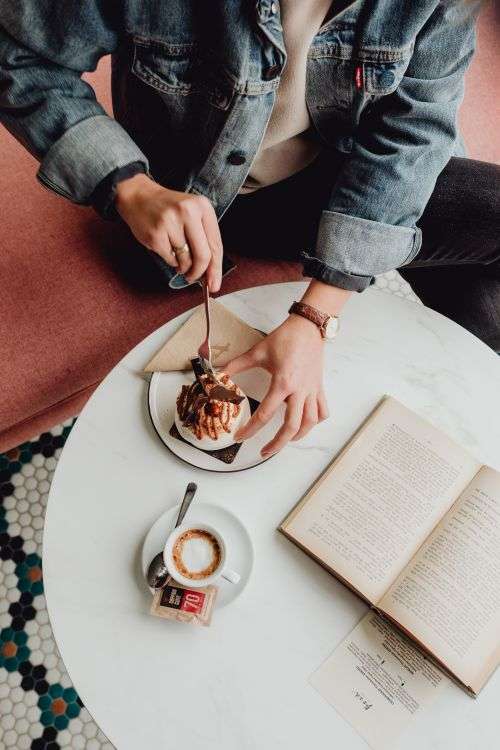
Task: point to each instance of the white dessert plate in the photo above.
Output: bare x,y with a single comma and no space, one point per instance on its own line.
237,538
163,390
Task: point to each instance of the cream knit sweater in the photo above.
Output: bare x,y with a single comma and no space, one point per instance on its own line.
285,148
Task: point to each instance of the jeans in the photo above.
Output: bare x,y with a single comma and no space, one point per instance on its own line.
457,270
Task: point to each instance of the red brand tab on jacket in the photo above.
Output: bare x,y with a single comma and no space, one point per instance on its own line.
358,76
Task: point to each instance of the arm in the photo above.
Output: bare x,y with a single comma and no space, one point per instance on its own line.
400,147
369,227
293,354
44,48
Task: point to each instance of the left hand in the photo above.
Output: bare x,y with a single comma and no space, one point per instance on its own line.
293,355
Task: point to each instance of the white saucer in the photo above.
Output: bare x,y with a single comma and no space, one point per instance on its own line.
163,390
239,544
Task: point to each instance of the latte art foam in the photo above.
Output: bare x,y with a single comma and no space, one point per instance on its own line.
196,554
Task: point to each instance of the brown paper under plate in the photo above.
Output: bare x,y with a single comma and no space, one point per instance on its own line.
226,455
230,337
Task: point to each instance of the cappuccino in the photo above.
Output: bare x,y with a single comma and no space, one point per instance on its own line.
196,554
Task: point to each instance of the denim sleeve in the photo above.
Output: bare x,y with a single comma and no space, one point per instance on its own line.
45,46
402,144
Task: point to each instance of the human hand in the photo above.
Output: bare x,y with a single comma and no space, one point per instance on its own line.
161,219
293,355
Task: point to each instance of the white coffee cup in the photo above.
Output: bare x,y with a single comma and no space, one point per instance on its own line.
220,572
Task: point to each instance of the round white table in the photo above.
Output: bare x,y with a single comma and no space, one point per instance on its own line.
243,682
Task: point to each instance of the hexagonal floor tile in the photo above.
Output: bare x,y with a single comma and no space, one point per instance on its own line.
39,707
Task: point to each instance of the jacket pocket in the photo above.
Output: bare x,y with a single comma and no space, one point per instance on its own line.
382,78
181,70
344,78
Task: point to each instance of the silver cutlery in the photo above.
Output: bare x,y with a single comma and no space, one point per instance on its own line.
157,574
204,352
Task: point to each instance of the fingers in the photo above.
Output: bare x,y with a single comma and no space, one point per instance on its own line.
173,219
290,427
182,260
300,417
243,362
160,242
212,232
172,257
262,414
309,416
302,414
323,412
199,214
200,250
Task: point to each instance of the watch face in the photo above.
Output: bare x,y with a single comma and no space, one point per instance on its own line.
332,328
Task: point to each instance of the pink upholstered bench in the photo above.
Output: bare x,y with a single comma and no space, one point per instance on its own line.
67,316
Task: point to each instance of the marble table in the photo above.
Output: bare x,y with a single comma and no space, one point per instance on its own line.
243,682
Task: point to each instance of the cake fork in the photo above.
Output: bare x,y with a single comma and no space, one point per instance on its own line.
204,352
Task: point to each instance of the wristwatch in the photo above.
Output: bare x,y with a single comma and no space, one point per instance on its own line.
328,325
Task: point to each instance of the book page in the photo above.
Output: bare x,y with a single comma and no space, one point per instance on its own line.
449,596
378,681
372,509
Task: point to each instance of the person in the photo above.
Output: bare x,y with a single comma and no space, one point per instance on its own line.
302,128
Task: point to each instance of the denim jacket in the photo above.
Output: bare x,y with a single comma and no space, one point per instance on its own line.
194,83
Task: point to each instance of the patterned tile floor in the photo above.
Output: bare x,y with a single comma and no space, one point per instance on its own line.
39,707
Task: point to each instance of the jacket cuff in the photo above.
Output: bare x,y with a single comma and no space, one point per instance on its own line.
351,251
103,197
88,151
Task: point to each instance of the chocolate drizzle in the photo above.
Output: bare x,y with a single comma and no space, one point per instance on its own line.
209,405
226,455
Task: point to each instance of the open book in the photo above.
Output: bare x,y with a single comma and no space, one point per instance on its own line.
411,522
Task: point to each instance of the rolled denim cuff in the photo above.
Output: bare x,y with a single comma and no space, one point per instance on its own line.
83,156
317,269
351,251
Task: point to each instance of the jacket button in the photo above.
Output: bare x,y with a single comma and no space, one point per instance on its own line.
271,72
273,8
345,145
236,158
220,98
386,78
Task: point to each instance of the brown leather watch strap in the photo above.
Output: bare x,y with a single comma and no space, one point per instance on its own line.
311,313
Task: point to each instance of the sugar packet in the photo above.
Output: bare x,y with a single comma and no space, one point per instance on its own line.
177,602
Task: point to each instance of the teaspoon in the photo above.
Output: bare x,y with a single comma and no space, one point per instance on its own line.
157,572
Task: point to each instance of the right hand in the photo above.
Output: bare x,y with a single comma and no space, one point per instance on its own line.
161,219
